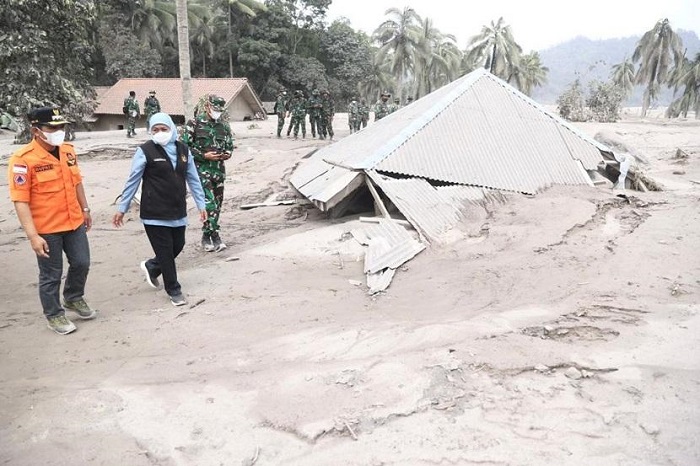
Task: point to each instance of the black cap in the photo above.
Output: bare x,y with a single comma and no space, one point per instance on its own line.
46,116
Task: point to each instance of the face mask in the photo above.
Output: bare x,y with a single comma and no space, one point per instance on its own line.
54,139
162,137
215,115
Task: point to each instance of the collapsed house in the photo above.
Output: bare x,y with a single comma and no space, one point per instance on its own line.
475,140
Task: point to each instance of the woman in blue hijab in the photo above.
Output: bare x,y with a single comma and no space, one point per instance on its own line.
163,166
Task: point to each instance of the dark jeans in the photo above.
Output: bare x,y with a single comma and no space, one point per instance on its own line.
75,245
167,243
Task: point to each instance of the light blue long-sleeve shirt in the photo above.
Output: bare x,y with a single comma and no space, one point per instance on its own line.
138,166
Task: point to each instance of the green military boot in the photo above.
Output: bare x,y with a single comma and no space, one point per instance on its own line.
81,308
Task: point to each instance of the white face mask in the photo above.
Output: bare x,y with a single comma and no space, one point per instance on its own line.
215,115
162,137
54,139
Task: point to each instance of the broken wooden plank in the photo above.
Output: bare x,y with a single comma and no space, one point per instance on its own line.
267,204
377,200
403,223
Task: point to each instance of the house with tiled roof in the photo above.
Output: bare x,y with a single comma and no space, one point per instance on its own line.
242,103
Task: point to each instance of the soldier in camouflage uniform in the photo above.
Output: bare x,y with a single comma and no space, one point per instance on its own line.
381,108
364,113
132,112
354,116
395,106
297,108
314,109
327,113
281,110
210,140
151,106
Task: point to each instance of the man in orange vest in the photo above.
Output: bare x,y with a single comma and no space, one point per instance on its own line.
47,191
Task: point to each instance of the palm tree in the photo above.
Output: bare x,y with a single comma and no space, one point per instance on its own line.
183,43
496,48
399,39
656,49
245,8
202,33
437,59
529,73
378,81
154,22
622,75
688,76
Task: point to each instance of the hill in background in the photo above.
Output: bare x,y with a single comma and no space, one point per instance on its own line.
588,59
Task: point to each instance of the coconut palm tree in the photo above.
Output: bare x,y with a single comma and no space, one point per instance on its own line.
399,37
239,8
437,59
495,46
656,50
688,76
379,80
529,73
622,75
153,22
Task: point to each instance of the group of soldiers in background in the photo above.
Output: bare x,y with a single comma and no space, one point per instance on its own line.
132,111
383,108
319,106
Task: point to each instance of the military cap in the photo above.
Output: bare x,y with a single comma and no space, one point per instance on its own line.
386,93
396,99
217,103
315,92
152,92
46,116
298,92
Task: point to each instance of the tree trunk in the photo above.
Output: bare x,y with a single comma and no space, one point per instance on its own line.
230,55
183,43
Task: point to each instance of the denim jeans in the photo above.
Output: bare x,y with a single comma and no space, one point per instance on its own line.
75,245
167,244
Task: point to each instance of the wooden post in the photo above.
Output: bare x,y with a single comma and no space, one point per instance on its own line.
377,200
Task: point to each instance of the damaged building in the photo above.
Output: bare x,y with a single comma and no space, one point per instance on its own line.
474,141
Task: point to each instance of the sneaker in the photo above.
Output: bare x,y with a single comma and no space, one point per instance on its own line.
150,279
207,244
61,325
81,307
178,300
216,241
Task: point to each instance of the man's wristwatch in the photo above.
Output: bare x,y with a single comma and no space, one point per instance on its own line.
86,209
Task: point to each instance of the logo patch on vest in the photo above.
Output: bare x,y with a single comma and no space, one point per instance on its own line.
20,179
71,159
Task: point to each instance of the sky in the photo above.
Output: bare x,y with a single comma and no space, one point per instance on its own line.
536,24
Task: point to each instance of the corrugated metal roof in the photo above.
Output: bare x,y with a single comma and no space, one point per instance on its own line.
390,245
433,211
476,131
169,93
491,138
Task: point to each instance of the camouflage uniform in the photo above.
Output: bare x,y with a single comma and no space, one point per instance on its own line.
354,116
327,112
381,108
151,106
206,134
281,110
297,107
132,112
364,113
395,106
314,110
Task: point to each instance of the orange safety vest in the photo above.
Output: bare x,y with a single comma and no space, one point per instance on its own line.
48,185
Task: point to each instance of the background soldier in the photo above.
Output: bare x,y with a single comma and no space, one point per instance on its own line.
354,116
364,113
209,138
409,99
132,112
297,108
381,108
281,110
151,106
314,109
327,113
396,105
